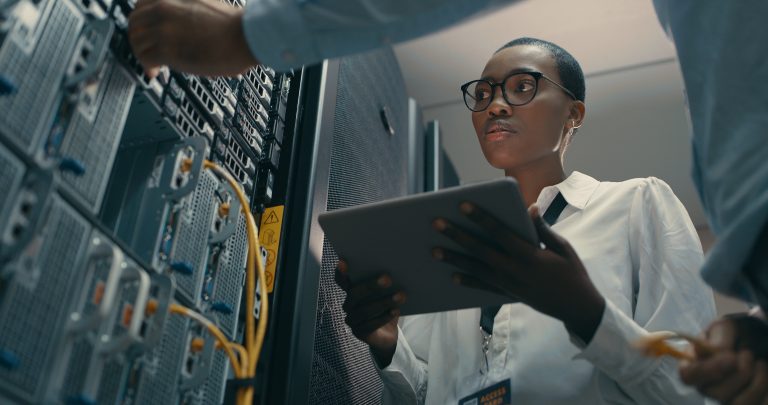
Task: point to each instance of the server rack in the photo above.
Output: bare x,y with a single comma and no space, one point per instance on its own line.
108,215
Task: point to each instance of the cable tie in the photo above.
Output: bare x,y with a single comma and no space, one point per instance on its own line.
242,382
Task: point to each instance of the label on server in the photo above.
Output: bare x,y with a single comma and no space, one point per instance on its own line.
269,237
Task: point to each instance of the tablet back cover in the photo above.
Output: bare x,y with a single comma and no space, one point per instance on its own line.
396,237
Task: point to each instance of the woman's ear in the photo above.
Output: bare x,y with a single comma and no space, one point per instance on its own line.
577,113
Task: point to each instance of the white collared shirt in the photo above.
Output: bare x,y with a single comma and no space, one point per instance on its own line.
641,252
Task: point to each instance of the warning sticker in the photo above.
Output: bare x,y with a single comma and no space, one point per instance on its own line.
269,238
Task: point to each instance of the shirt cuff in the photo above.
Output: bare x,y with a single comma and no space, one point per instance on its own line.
277,34
404,373
611,349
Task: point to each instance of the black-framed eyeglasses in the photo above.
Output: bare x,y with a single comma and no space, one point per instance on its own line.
518,89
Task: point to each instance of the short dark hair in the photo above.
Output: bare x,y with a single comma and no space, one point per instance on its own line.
568,68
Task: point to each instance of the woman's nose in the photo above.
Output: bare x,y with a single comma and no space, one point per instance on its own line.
499,105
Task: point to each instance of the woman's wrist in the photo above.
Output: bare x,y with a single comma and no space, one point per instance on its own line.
584,318
383,356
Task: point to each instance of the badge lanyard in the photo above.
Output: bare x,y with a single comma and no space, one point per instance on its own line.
487,314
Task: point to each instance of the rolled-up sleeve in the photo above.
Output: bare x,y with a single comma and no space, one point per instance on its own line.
668,295
287,34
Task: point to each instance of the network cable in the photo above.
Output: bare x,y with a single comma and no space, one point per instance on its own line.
215,331
254,339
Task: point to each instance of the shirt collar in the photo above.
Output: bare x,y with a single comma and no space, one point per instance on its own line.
577,189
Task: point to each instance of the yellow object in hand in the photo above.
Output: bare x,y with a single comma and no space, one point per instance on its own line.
656,345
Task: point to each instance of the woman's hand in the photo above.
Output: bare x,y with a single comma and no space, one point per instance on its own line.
373,310
552,280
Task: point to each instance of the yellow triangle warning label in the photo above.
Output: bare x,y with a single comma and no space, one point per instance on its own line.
272,218
269,236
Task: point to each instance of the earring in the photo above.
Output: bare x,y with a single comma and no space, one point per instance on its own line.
571,129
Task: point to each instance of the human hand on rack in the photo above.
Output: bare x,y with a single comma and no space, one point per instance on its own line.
737,373
372,312
201,37
552,281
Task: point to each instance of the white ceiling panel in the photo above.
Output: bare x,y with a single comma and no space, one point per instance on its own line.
601,34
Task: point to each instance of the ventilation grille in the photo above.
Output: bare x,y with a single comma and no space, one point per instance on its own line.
190,242
38,76
228,280
95,143
367,164
32,321
160,385
11,174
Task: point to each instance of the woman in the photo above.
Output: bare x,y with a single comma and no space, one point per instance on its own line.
620,260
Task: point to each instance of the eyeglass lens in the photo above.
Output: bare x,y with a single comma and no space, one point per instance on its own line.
519,89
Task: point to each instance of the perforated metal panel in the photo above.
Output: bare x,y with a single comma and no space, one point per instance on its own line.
11,175
190,244
213,392
228,282
38,75
367,164
113,381
31,321
78,368
159,384
94,143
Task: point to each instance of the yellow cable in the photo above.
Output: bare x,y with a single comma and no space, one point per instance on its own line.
215,331
242,356
240,394
254,340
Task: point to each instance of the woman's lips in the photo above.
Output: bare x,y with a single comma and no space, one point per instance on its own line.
497,136
497,131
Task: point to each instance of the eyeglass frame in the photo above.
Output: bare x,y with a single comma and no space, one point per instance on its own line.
536,75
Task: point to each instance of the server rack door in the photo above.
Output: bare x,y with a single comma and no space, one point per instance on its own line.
355,140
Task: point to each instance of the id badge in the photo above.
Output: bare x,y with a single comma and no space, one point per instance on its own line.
497,394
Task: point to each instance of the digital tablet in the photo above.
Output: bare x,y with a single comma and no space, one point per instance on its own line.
396,237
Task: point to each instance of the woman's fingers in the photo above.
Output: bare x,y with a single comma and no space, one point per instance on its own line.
510,242
464,262
341,276
364,313
362,330
367,291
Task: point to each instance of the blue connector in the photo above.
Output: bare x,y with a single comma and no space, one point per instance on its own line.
80,399
73,166
7,87
183,268
9,360
222,307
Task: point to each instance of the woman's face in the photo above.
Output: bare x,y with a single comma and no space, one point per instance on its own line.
514,136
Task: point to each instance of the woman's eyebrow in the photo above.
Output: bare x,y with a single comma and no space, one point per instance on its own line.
511,72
